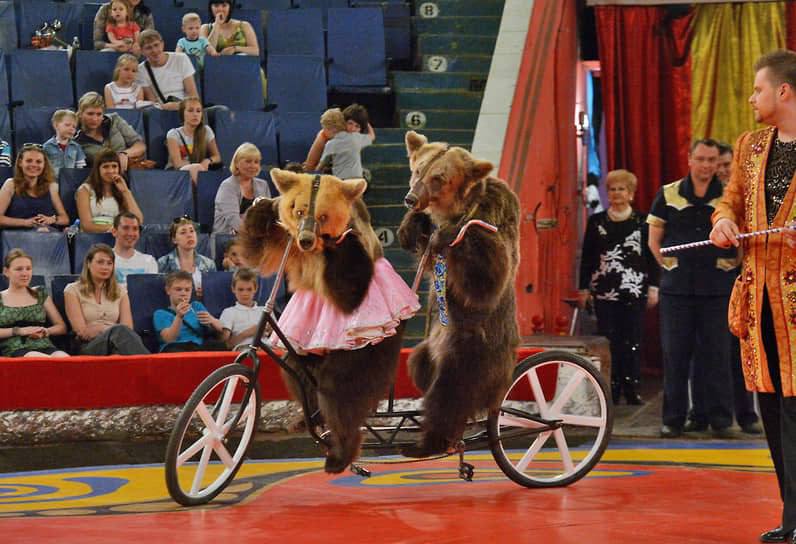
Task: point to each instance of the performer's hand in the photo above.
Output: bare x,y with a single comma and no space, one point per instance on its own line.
583,298
724,233
790,235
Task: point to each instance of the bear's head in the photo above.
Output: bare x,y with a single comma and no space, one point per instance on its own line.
315,215
442,176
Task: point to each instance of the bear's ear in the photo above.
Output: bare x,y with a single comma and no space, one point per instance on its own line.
283,179
414,141
353,188
480,169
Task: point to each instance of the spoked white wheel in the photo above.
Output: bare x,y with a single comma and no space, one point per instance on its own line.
554,423
212,435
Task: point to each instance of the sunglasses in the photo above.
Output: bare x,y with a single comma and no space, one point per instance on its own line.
182,219
31,145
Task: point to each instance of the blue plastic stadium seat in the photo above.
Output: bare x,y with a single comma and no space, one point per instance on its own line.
258,127
40,78
357,59
57,285
323,5
296,32
32,13
162,195
35,281
83,242
168,21
8,26
217,292
5,125
5,98
69,179
397,28
296,134
134,118
266,5
147,293
93,69
233,81
297,83
158,123
49,250
206,189
32,125
158,243
5,173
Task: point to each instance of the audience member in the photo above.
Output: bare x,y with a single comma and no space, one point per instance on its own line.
237,193
186,325
104,194
167,78
100,130
61,150
126,233
724,164
192,146
122,31
124,92
233,256
98,308
24,312
620,275
341,148
5,153
241,320
142,16
193,44
30,199
230,36
184,256
694,292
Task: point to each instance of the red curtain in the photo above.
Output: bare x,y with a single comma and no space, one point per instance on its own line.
645,74
790,17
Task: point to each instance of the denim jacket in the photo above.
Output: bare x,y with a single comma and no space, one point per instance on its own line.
171,263
72,157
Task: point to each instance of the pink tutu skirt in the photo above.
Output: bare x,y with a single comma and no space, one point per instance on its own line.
314,325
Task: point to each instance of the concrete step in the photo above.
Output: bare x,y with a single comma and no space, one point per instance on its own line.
421,100
381,195
456,119
387,215
440,44
474,82
473,8
446,62
389,174
453,137
384,153
400,259
483,25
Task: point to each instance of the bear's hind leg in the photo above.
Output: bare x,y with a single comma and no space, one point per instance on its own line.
421,368
298,389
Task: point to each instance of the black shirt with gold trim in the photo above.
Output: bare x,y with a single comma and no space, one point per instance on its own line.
685,217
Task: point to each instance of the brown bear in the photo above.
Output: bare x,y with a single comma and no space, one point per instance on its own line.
346,315
465,364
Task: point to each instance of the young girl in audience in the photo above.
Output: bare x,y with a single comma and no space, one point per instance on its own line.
121,29
98,308
184,256
24,313
233,256
192,146
104,195
124,93
30,199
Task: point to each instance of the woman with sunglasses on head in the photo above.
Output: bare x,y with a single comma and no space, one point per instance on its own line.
236,194
104,195
30,199
184,256
24,312
98,308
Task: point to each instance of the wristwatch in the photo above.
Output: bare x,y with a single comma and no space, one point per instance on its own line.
14,331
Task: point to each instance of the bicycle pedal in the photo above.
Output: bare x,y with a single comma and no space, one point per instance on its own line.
359,471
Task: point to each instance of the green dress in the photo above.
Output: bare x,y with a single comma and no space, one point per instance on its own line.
238,39
24,316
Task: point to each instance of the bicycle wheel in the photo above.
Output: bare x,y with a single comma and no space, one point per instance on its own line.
558,395
212,435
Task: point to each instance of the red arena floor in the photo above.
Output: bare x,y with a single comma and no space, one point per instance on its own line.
662,492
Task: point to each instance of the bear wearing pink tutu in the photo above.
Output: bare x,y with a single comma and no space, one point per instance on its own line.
347,313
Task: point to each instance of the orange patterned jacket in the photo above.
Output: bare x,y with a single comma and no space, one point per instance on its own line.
767,261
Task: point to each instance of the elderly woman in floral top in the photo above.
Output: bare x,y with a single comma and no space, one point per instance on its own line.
184,256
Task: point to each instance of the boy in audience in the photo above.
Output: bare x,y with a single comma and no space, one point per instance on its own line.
233,256
186,325
127,231
342,149
5,153
193,44
241,320
61,149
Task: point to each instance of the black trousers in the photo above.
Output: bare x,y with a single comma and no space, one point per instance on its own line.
779,420
692,328
621,323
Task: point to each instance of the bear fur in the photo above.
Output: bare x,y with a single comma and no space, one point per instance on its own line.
350,383
465,367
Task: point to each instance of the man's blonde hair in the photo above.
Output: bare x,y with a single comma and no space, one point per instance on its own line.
245,150
333,119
